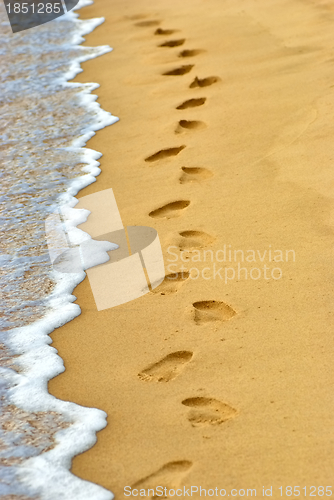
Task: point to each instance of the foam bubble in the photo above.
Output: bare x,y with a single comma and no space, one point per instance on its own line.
46,122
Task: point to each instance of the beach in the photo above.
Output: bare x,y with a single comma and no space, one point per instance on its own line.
222,375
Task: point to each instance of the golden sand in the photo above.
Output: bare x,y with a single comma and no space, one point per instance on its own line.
225,138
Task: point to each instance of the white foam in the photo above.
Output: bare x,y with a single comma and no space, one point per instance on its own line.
47,475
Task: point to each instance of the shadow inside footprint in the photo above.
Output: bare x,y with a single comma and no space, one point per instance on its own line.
170,210
189,125
164,153
167,368
204,82
136,17
208,411
192,103
190,53
173,43
168,476
144,24
194,174
211,310
172,283
182,70
160,31
194,239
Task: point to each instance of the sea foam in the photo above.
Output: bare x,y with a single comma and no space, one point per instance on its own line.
45,124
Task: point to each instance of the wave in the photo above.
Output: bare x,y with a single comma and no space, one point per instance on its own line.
45,124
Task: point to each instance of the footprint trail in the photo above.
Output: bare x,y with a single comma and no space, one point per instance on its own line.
170,210
145,24
173,43
169,475
172,283
182,70
194,174
208,411
161,31
194,239
190,53
167,368
189,125
211,310
192,103
164,153
204,82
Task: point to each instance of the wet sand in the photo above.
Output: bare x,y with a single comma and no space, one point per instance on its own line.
214,382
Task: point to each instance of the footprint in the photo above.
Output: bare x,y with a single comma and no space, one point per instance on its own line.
189,125
194,174
173,43
167,368
182,70
208,411
194,239
145,24
168,476
137,17
172,283
192,103
190,53
160,31
170,210
164,153
204,82
211,310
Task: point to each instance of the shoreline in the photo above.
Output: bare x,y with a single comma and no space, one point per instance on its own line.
220,139
41,114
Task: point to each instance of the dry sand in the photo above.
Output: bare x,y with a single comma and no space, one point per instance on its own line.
205,396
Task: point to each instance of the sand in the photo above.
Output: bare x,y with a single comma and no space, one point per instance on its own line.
236,390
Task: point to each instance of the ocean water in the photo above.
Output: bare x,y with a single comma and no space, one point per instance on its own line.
45,123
